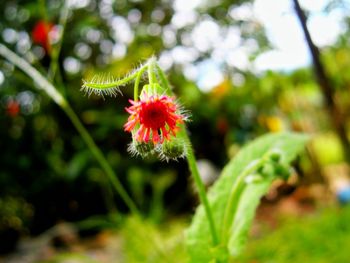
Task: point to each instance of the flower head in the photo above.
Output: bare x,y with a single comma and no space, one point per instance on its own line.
42,32
153,118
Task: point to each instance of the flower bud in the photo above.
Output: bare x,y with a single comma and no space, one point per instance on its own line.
283,171
142,149
276,156
253,179
173,149
267,170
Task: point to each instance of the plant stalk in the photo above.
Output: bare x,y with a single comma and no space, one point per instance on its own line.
191,159
201,189
137,83
98,84
100,158
151,74
56,48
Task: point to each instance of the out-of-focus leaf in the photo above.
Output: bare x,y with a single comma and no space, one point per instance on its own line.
199,240
77,164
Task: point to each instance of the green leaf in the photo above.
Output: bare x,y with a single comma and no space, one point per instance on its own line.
233,225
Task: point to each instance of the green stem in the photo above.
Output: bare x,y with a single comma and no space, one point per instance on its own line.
100,158
56,48
34,74
137,83
42,7
200,187
151,74
45,85
97,84
109,85
191,159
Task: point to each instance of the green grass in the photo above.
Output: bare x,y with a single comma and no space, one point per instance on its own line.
321,238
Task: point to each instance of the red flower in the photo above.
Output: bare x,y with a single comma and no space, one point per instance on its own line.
12,108
40,34
156,118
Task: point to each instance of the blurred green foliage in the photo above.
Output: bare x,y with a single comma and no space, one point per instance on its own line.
15,213
322,237
318,238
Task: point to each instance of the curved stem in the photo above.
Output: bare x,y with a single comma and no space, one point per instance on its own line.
41,81
137,83
45,85
96,85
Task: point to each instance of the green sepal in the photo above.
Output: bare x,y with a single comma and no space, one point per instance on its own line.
153,89
142,149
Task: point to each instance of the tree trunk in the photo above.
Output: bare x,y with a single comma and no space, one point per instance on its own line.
335,114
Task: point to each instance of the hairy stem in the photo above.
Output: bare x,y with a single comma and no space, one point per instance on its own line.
191,159
151,74
99,85
102,86
45,85
201,188
137,83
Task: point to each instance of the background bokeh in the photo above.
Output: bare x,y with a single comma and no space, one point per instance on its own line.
242,68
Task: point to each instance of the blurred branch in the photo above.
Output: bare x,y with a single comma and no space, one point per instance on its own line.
45,85
43,11
41,81
324,82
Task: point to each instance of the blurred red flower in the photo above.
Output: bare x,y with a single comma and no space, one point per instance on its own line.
12,108
41,34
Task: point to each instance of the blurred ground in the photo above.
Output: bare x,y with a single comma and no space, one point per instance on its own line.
285,207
